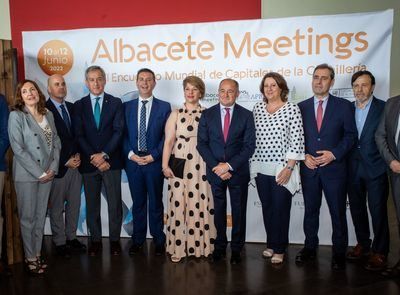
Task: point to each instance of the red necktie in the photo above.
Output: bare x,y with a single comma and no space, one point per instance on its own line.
227,121
319,114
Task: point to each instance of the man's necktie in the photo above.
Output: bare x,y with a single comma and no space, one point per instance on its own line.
142,128
97,112
65,117
227,121
320,112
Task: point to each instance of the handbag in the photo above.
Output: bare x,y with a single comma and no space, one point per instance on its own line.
177,166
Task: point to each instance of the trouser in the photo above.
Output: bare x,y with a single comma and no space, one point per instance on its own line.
32,199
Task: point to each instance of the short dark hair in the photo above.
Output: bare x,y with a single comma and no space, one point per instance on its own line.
281,84
325,66
145,70
358,74
94,68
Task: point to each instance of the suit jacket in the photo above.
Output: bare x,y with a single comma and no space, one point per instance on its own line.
4,142
159,113
386,132
69,144
32,156
338,134
107,138
237,150
365,150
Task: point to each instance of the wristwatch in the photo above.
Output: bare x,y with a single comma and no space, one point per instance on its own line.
290,168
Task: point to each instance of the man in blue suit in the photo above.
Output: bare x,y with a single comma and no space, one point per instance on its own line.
368,177
145,119
99,126
4,143
330,133
226,141
65,194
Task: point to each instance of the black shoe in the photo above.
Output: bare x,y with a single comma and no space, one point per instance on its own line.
95,248
305,255
235,258
218,255
135,249
115,248
338,262
75,245
63,251
159,250
5,271
392,272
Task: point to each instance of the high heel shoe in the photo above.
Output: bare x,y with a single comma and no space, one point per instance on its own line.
42,262
268,253
277,258
175,259
33,267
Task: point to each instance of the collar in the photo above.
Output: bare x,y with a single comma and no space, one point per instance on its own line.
149,99
366,105
56,103
93,97
317,100
223,107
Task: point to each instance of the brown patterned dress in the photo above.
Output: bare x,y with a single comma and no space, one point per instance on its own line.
190,212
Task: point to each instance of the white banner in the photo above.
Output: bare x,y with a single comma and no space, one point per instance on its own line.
243,50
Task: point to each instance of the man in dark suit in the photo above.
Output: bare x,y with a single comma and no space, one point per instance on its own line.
367,177
145,119
4,143
226,141
65,194
330,133
387,138
99,126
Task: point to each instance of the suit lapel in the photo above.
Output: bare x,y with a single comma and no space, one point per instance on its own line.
105,110
132,121
58,117
153,113
218,123
310,114
233,124
87,105
330,107
371,117
35,125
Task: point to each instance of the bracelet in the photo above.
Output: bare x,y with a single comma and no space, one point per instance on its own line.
290,168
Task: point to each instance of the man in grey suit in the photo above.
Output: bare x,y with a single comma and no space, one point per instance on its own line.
65,192
388,140
4,143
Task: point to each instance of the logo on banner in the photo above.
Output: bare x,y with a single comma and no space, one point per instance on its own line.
55,57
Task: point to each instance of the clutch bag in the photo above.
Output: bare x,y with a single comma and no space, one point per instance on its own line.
177,166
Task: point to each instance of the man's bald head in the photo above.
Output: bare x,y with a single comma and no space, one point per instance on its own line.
56,87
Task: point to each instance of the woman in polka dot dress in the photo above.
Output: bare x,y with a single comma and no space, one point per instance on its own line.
279,145
190,220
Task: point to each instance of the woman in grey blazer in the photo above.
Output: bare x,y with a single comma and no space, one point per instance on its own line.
36,147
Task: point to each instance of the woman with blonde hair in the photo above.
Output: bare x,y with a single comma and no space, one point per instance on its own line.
190,220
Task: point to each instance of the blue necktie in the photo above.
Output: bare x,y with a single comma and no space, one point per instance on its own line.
97,112
142,128
65,117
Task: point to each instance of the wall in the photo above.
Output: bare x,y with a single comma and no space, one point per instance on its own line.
287,8
74,14
5,30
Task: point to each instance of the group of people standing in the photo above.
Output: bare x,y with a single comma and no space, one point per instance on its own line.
324,144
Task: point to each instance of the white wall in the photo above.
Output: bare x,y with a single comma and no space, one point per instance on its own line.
5,28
